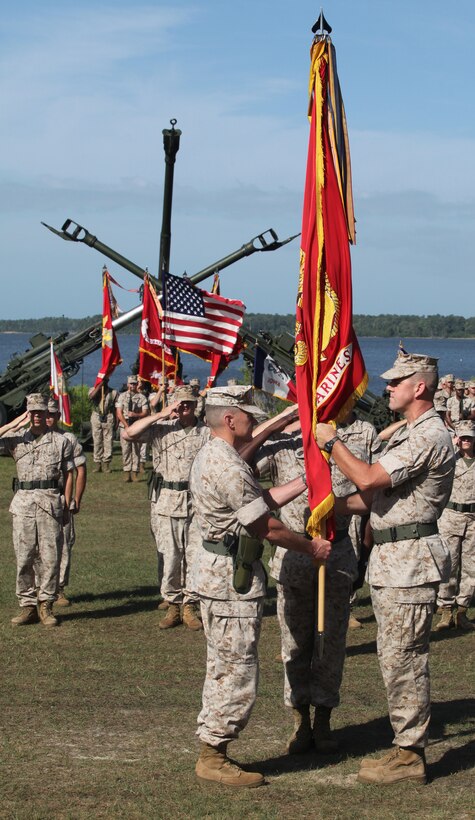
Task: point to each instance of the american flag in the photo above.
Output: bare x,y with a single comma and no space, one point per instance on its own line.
197,321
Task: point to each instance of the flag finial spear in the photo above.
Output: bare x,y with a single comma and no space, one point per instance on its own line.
321,25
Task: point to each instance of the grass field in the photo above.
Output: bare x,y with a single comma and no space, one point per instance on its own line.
98,716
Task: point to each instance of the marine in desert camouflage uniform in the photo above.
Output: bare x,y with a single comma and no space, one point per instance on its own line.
308,679
229,502
362,440
407,490
457,528
176,436
43,460
130,406
458,406
103,399
80,479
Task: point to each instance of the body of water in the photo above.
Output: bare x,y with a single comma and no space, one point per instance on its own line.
455,356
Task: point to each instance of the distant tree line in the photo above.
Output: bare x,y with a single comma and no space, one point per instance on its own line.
383,325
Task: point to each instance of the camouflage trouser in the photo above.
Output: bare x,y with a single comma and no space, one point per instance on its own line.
102,435
130,455
457,530
178,541
404,618
69,541
232,631
308,680
37,543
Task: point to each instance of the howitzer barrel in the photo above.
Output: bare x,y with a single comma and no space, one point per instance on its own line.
72,232
171,145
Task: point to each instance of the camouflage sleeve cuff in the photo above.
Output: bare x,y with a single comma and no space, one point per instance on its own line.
395,468
252,511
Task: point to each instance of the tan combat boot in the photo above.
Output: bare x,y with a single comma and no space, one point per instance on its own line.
127,477
374,762
461,620
446,620
301,740
163,605
190,617
46,614
397,766
135,476
323,738
97,467
106,468
61,600
172,618
213,765
354,623
28,615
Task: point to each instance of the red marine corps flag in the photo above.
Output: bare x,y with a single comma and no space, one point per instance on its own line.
330,371
110,348
155,356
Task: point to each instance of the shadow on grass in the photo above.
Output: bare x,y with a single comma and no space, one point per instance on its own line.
116,594
361,649
360,739
131,607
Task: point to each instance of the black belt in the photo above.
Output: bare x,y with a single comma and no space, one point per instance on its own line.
175,485
452,505
51,484
405,532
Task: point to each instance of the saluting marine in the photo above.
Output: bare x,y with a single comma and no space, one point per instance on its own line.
43,490
176,436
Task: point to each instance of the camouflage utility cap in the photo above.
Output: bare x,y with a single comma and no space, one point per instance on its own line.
184,393
408,363
465,428
459,384
233,396
449,378
53,406
35,401
195,382
132,380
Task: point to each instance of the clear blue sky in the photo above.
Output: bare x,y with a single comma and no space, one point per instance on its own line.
87,88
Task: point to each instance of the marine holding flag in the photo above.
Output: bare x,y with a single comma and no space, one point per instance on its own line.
330,371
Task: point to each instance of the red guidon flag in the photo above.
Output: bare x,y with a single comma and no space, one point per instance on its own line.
156,358
330,370
58,388
110,348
